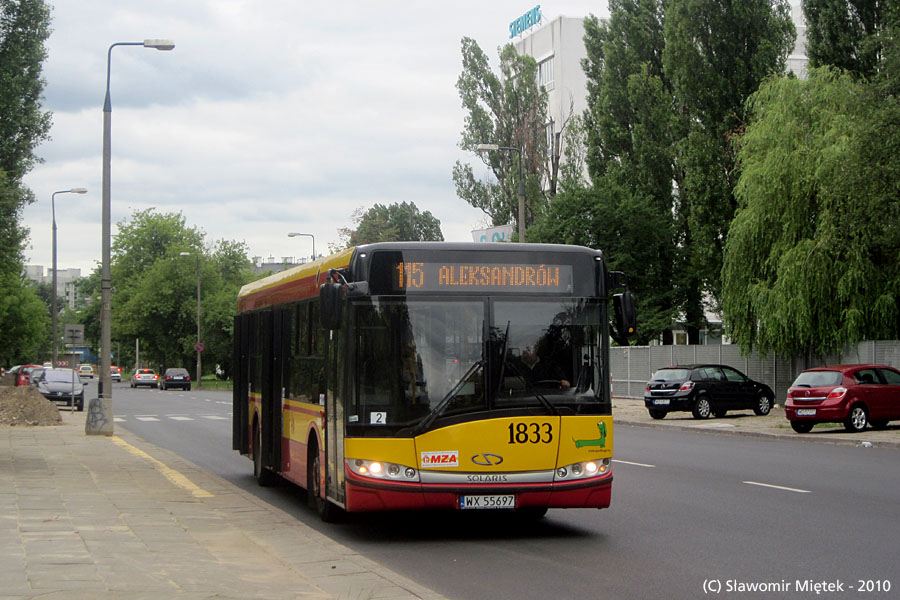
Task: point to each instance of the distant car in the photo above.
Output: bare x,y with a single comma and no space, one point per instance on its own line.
115,373
146,377
62,386
855,395
48,365
175,378
705,390
23,373
86,371
36,374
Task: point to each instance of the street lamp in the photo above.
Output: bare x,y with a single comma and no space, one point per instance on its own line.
494,147
198,346
295,234
102,422
53,315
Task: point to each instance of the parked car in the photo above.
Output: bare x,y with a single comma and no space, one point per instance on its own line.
36,374
22,373
115,373
86,371
705,390
146,377
62,386
855,395
175,378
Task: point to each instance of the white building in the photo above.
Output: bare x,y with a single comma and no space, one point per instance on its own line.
797,59
558,49
65,282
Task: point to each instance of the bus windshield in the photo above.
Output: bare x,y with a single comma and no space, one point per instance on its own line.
423,360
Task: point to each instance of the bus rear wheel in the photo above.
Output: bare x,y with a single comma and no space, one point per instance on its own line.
264,477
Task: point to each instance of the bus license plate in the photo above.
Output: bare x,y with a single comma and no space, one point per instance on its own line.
806,412
490,502
661,402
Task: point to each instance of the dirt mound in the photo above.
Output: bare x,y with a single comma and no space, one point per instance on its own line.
24,405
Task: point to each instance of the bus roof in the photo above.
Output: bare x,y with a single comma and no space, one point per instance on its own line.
295,283
303,281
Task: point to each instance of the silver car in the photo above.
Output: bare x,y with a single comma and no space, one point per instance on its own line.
62,387
146,377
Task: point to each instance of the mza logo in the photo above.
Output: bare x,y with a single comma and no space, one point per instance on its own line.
440,459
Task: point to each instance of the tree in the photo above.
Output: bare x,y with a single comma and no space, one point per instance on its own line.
811,258
844,34
610,217
632,127
24,27
25,324
155,294
392,223
508,110
717,53
230,271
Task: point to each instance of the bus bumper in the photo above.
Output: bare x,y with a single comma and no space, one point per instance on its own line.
365,495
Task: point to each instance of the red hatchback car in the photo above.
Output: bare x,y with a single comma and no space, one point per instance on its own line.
855,395
23,373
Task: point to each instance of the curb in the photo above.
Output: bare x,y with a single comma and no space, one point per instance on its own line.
804,438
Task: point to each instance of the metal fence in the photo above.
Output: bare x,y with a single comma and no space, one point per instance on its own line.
632,366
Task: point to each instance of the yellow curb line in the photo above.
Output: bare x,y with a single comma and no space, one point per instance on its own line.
169,473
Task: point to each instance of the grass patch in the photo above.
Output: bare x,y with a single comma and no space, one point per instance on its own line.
210,382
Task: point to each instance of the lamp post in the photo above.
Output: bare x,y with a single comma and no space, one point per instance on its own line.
521,219
101,422
198,346
53,310
295,234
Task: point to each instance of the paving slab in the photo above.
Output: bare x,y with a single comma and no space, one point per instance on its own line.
114,517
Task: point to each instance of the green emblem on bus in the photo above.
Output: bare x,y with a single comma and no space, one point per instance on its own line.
601,441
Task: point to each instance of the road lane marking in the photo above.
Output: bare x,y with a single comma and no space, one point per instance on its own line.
635,464
778,487
146,418
168,472
182,418
215,417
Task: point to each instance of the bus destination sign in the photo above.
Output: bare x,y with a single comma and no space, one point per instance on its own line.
481,277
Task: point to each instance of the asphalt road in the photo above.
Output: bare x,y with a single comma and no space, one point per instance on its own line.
688,510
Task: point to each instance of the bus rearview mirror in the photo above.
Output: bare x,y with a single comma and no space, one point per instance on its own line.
331,303
626,316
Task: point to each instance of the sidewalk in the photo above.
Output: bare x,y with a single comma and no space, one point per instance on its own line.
627,411
99,517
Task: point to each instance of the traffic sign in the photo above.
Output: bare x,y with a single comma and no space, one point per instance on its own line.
198,346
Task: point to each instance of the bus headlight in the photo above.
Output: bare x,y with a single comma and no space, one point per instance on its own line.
377,469
582,470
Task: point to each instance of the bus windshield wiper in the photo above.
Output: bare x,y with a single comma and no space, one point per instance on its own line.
445,402
502,360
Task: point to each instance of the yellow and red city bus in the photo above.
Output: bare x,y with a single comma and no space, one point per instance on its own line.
414,375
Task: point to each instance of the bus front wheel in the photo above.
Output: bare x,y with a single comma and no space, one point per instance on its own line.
315,498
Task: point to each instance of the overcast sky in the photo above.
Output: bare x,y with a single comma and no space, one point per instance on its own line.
267,117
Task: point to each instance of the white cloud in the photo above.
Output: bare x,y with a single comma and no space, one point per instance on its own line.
268,117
